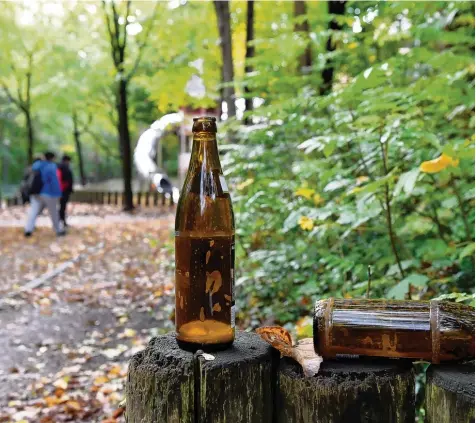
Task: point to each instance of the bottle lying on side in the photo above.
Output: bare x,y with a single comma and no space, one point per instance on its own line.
427,330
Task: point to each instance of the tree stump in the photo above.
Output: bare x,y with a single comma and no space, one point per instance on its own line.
449,393
347,391
168,385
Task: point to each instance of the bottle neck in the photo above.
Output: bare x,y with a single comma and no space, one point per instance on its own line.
205,152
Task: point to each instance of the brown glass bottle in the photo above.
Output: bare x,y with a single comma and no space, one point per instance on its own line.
428,330
204,249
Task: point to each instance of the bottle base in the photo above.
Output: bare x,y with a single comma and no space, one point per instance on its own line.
194,346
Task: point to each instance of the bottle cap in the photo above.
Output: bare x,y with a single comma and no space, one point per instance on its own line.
204,124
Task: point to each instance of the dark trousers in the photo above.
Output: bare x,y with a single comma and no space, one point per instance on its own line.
63,202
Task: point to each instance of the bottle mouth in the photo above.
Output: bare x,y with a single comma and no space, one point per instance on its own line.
205,118
204,124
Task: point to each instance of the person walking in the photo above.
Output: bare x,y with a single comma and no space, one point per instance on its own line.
66,182
48,197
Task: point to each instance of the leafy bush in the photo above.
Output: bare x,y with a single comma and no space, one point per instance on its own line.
378,173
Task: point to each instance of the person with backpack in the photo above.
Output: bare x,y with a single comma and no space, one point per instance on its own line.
66,179
44,190
25,185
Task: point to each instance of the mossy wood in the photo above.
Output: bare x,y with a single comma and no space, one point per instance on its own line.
449,393
350,391
168,385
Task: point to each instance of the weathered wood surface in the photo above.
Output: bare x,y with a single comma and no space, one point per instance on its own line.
348,391
168,385
449,393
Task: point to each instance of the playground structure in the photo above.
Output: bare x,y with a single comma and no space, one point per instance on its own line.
148,151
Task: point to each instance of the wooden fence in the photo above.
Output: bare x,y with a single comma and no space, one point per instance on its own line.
143,199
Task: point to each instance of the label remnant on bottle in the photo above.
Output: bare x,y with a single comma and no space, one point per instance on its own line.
223,184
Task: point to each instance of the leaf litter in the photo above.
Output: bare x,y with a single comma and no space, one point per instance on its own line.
67,342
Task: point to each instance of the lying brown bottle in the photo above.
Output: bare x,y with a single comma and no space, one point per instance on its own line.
428,330
204,249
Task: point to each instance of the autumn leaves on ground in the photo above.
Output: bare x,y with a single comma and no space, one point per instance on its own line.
74,309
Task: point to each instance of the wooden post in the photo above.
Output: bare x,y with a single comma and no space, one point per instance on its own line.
357,391
109,194
163,199
168,385
449,394
139,198
116,198
147,199
156,198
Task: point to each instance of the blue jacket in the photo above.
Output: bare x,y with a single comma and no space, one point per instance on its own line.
48,171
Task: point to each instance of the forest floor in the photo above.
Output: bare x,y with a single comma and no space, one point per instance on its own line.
74,309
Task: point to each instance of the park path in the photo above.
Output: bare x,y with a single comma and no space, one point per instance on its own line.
66,338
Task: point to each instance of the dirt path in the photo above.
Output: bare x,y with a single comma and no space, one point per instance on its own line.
65,343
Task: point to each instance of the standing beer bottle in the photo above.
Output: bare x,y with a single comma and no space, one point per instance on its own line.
204,249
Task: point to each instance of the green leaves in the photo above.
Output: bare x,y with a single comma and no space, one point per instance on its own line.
401,289
406,182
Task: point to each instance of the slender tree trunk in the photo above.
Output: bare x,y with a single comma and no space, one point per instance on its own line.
125,140
77,143
305,60
31,138
334,8
222,9
250,52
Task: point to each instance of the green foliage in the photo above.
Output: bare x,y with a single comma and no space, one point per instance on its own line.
328,185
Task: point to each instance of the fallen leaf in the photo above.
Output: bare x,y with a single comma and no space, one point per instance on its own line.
305,355
73,406
118,412
100,380
61,383
129,333
303,352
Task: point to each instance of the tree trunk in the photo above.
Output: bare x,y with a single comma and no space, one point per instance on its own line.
334,8
357,391
222,9
31,140
305,60
250,52
168,385
125,143
77,143
449,393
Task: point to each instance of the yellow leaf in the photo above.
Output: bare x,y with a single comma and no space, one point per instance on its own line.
372,58
317,199
438,164
362,179
244,184
101,380
353,45
61,383
73,405
305,192
129,333
306,223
